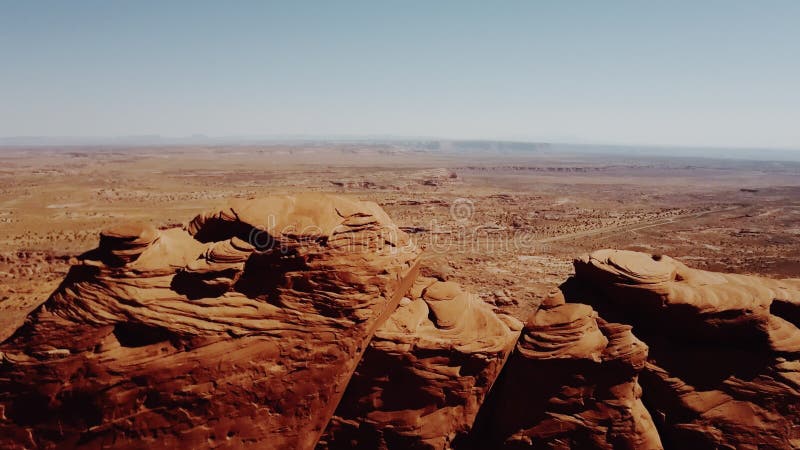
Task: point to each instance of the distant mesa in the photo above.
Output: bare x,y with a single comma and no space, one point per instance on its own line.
303,322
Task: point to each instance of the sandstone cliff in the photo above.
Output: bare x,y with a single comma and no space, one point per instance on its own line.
301,322
724,365
242,329
571,383
426,372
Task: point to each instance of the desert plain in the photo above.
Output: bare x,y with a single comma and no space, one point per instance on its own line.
506,223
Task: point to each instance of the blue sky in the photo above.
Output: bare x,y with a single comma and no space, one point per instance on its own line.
715,73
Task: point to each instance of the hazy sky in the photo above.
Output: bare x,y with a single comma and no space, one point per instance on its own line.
723,73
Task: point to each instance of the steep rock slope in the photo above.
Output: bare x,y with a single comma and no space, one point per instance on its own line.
426,372
724,366
241,330
570,383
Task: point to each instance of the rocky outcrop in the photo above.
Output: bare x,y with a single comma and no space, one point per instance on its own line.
301,322
426,372
570,383
724,365
241,330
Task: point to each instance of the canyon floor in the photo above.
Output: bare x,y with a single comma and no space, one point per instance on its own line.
506,224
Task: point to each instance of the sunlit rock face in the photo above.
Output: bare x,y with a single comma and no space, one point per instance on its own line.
724,363
240,330
300,322
426,372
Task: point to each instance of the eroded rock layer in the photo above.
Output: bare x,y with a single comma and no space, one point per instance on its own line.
426,372
724,366
241,330
247,327
570,383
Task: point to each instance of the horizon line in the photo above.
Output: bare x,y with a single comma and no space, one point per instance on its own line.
198,138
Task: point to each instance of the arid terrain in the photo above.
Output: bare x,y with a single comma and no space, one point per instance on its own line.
394,296
505,223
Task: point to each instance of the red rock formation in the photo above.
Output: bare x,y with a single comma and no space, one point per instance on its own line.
426,372
241,331
245,328
571,383
724,367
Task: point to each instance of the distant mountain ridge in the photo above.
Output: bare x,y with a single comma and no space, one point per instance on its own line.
417,143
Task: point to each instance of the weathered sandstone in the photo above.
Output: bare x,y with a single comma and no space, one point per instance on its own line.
570,383
241,330
724,366
426,372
